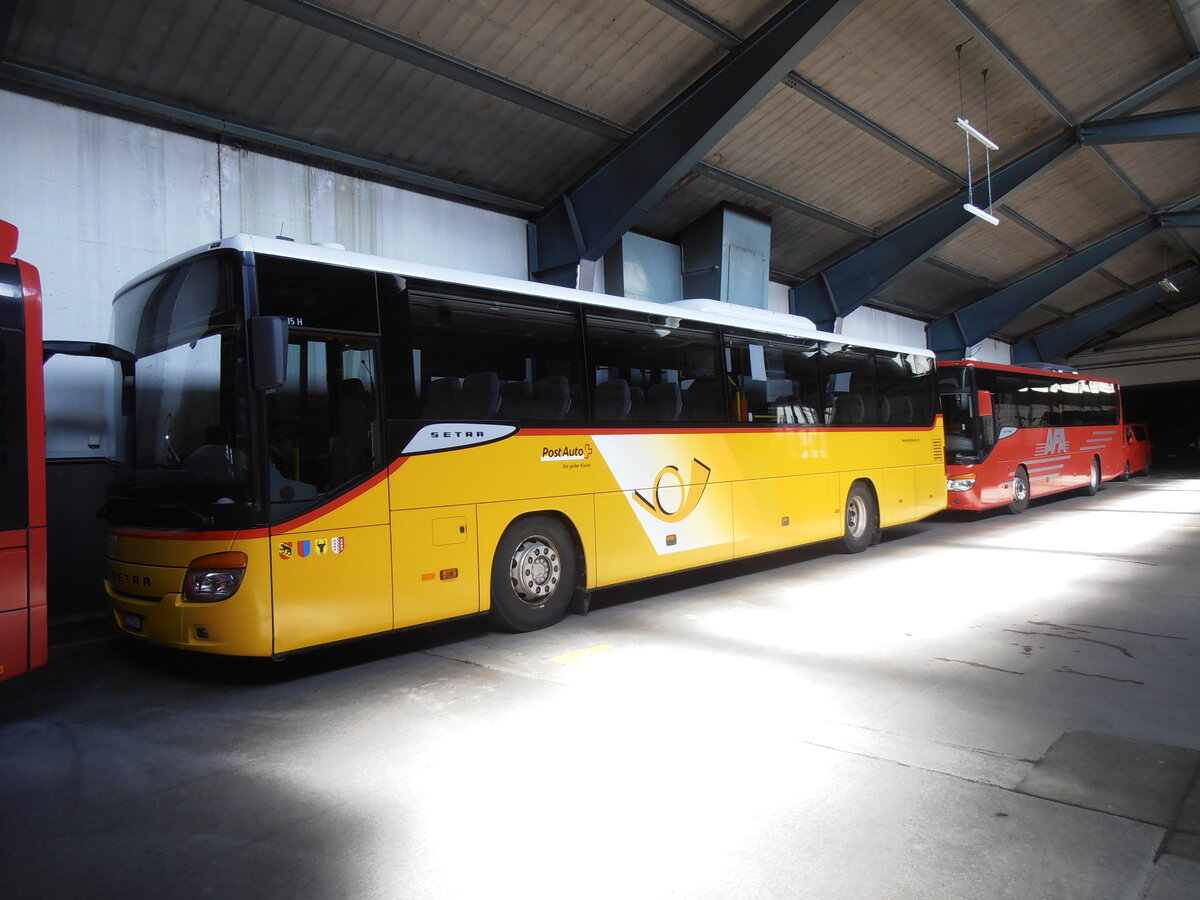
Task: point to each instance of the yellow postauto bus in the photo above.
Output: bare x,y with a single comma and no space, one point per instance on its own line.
325,445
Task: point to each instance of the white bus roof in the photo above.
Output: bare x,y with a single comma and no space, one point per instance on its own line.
714,312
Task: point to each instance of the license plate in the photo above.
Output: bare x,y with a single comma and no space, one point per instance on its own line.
134,622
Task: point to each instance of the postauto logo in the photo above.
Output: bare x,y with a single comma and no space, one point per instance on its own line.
556,454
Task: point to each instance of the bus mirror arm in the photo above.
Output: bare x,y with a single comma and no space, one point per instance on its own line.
268,340
124,358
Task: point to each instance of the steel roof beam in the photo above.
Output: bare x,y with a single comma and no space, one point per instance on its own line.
787,201
849,114
844,286
698,21
593,214
1010,59
1150,92
1059,341
1188,219
363,33
1185,30
951,335
1160,126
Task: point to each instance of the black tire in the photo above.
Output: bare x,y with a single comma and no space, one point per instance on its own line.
1093,484
1020,488
535,573
861,523
1124,476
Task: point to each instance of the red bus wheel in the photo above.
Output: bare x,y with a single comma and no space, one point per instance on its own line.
1020,490
1093,484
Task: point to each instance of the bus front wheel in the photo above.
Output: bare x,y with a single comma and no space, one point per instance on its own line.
1020,490
1093,483
534,574
862,519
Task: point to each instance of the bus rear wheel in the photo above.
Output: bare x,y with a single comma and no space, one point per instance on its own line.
1093,484
534,574
862,519
1020,490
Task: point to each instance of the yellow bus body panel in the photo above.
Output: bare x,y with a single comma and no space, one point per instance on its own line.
418,545
333,573
239,626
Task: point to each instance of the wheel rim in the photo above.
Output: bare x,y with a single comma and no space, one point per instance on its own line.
535,570
1095,475
1020,489
856,517
1126,470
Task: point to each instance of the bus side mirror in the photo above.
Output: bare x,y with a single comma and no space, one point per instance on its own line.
268,347
985,403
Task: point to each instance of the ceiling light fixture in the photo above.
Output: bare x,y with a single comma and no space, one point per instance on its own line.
989,145
1168,285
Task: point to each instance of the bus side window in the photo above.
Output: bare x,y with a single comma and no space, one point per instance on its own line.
494,358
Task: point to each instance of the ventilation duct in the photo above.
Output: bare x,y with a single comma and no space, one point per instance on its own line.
727,256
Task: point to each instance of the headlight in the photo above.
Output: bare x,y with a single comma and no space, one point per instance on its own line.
216,576
960,483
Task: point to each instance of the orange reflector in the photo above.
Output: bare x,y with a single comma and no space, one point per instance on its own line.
448,574
670,540
786,520
428,576
232,559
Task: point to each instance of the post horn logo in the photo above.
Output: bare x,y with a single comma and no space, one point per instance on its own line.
691,491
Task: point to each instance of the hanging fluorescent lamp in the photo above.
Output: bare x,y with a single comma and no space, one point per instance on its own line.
1168,285
974,132
983,214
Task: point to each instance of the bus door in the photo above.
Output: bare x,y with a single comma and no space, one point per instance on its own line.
331,546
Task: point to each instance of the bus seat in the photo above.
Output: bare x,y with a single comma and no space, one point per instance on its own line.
786,409
480,397
663,402
441,395
848,408
551,398
637,403
612,400
515,397
704,401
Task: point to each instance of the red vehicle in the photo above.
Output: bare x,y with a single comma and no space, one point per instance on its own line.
1018,432
22,465
1137,451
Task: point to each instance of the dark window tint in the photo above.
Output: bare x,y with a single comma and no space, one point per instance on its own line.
180,306
13,486
776,382
903,388
671,368
1010,397
323,429
494,358
849,379
312,295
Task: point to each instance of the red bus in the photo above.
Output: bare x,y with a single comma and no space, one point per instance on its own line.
22,465
1018,432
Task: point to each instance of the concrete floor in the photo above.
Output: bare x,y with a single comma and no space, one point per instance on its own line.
812,725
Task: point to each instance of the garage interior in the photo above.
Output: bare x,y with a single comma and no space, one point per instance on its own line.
979,707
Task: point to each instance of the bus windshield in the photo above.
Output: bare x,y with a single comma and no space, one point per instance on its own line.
189,459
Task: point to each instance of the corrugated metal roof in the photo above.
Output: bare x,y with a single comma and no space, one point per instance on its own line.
528,96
